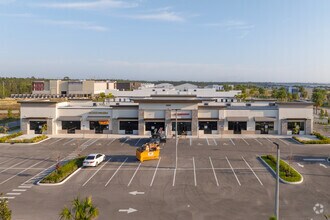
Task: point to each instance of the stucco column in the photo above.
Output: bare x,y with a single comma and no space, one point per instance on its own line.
25,126
308,126
115,126
194,122
50,128
284,127
141,122
168,123
221,126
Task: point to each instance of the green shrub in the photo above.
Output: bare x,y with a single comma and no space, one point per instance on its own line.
322,139
8,137
287,173
58,175
31,140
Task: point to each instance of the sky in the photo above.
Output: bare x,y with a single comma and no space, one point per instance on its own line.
210,40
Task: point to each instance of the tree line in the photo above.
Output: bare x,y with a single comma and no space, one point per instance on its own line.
13,85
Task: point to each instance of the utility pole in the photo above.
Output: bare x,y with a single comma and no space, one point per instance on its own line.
277,190
176,137
3,89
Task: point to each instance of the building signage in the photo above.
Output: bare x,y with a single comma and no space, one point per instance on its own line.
181,114
98,113
104,122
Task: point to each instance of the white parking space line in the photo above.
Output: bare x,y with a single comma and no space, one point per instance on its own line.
137,142
86,142
239,183
153,177
124,141
134,174
232,141
258,141
195,179
7,197
96,172
252,171
14,165
269,140
174,176
190,141
56,141
245,141
19,190
68,142
215,175
22,171
111,141
13,194
93,142
283,141
7,160
207,141
116,172
25,186
216,144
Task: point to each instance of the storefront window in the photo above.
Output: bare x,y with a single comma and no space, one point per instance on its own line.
296,127
183,127
71,125
151,126
211,125
128,125
264,125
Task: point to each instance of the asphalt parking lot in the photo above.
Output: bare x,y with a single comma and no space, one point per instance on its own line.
211,178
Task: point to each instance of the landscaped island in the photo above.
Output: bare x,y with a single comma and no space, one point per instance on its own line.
64,171
287,173
321,139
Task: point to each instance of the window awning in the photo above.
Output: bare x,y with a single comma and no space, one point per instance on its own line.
264,119
237,118
98,118
69,118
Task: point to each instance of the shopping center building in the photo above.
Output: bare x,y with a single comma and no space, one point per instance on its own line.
140,116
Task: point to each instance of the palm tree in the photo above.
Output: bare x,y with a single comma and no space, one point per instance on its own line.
80,210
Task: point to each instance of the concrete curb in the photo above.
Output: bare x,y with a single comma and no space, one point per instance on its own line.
28,143
282,180
60,183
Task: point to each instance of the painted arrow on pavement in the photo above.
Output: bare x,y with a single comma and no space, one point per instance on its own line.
300,165
136,193
322,165
128,211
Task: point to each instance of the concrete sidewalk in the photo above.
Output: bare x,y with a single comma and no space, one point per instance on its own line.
247,136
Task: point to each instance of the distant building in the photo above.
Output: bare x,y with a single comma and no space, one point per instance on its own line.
128,86
66,88
186,87
216,87
164,86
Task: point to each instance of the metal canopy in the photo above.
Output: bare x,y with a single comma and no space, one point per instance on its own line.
264,119
240,119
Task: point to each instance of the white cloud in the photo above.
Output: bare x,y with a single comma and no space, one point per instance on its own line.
76,24
159,16
97,4
17,15
232,25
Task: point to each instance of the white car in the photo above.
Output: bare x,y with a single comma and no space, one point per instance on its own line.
93,160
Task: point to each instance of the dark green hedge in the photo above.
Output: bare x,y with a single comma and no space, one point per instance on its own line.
58,175
322,139
8,137
287,173
31,140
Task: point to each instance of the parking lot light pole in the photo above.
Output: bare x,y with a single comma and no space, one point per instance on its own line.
277,190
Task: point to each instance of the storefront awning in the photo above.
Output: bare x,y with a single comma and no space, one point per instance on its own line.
98,118
69,118
264,119
237,118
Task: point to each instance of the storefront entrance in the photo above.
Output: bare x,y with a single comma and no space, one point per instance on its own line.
71,126
99,126
38,126
237,126
154,127
128,126
184,128
264,127
208,126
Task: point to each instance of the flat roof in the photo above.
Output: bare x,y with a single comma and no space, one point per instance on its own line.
40,101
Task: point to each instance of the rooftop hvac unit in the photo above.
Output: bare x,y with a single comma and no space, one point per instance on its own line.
206,103
94,104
